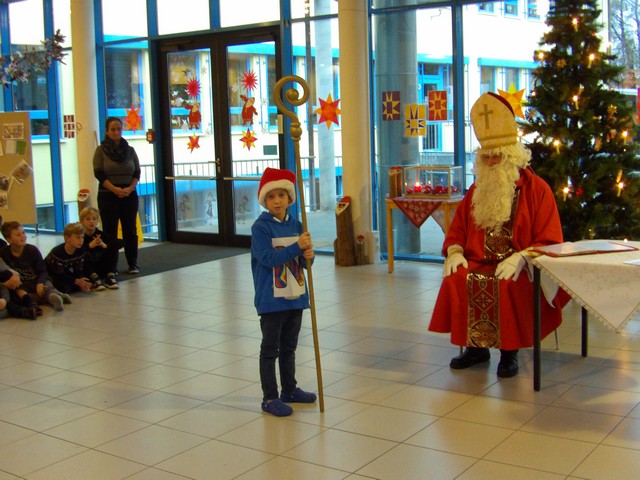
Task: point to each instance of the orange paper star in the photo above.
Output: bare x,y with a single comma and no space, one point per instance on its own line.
194,142
132,120
328,111
248,139
514,98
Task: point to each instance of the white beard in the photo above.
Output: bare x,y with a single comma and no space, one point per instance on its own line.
493,196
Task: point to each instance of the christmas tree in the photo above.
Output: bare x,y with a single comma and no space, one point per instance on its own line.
581,130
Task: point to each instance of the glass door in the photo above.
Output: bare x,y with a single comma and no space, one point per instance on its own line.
219,133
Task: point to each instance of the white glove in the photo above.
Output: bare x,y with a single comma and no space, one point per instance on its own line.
454,260
511,267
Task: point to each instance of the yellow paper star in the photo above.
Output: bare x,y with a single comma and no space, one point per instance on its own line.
514,98
248,139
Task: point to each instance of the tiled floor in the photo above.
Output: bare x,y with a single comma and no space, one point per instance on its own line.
159,381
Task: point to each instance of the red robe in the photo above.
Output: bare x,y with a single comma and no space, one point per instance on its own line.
501,310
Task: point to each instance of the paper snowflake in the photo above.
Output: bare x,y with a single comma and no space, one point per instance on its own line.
328,111
249,80
248,139
193,88
194,142
132,120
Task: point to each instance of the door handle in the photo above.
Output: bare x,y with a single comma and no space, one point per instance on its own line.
218,166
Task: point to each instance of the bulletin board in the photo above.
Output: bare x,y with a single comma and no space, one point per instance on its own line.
17,191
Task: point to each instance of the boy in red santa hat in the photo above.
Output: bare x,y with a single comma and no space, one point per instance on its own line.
279,249
484,301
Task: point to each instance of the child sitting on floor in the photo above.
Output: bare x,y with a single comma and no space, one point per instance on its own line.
26,260
65,262
101,252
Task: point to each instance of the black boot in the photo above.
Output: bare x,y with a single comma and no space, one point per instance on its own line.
508,366
470,357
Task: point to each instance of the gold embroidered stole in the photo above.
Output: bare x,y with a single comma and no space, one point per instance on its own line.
482,286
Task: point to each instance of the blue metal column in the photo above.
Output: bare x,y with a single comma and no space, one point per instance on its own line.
458,87
53,99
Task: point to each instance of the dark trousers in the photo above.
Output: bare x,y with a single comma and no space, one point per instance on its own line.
63,284
280,332
103,261
125,209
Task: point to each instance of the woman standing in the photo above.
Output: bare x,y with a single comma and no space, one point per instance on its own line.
117,168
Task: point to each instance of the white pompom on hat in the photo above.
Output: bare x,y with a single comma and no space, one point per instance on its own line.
273,178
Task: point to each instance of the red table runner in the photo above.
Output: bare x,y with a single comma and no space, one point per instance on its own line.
418,210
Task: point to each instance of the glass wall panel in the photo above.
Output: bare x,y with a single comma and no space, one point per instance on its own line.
316,59
62,20
68,139
182,17
495,64
128,95
68,131
124,19
26,23
413,80
250,11
401,3
27,32
302,8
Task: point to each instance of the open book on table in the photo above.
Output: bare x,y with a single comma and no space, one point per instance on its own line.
586,247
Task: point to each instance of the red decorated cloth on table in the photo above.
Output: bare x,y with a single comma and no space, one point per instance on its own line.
418,210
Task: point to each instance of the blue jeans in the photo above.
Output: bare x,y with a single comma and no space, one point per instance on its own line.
280,332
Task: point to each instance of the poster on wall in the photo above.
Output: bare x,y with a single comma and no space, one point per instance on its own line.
17,187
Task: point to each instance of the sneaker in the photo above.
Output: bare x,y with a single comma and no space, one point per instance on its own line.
66,298
97,285
133,270
56,302
30,313
111,282
277,408
298,396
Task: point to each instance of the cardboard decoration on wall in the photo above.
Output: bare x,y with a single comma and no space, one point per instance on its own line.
16,167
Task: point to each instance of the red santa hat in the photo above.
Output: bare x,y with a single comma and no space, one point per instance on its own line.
273,178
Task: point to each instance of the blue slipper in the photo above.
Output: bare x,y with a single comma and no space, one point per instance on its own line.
277,408
298,396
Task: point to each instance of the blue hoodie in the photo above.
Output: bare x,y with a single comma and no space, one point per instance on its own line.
264,258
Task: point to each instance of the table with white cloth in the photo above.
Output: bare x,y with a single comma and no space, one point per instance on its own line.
602,283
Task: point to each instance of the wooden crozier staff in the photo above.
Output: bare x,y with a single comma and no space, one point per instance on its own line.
295,131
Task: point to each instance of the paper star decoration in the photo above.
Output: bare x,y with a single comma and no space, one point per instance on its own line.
514,98
194,142
132,120
248,139
437,105
415,121
193,88
391,105
328,111
249,80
